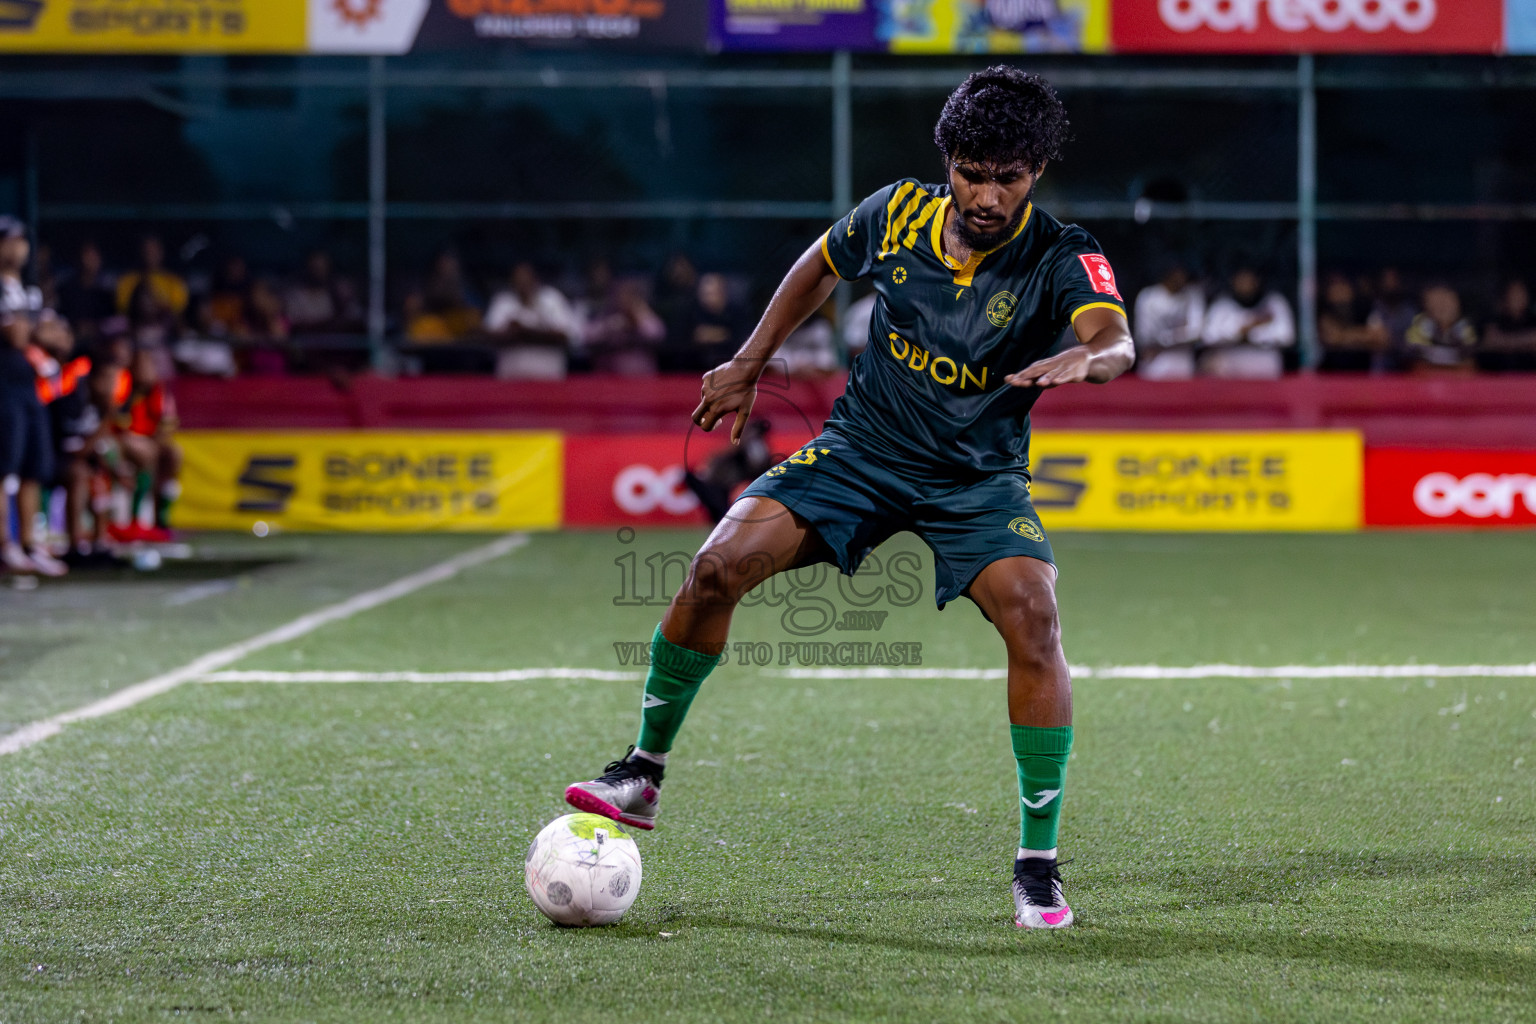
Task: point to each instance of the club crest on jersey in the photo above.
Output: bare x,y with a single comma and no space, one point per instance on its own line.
1000,308
1100,274
899,275
1025,527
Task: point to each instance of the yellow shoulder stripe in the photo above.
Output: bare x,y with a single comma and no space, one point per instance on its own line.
1080,310
914,230
900,223
890,213
826,254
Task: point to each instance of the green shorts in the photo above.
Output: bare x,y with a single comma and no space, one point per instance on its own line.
855,503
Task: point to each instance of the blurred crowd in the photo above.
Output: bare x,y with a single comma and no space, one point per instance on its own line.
1379,323
527,323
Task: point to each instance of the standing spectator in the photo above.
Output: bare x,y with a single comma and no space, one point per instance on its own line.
596,294
536,323
1245,329
1169,317
1509,339
1393,309
1351,338
710,332
1440,339
87,298
625,334
63,385
169,289
320,302
26,447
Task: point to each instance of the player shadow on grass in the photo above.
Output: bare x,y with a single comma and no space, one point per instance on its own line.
1298,881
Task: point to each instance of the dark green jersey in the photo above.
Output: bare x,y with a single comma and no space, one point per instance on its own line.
928,392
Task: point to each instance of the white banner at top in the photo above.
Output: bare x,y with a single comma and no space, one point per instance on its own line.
365,26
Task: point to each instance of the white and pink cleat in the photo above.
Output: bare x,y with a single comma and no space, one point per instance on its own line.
1037,898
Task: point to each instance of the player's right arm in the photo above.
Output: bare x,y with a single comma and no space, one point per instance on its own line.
846,252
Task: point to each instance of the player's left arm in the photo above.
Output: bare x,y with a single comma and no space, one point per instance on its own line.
1104,351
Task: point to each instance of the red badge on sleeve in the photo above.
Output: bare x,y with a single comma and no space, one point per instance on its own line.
1099,273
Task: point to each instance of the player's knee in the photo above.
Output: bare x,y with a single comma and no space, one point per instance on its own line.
719,575
1028,615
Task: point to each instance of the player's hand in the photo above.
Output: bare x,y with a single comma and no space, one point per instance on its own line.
729,387
1069,367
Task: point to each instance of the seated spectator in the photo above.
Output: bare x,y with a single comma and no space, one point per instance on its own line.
811,349
625,334
1245,329
1440,339
596,293
86,297
1351,339
144,423
1509,338
153,328
168,288
266,326
710,332
320,302
675,296
225,310
1392,309
537,324
448,296
1169,318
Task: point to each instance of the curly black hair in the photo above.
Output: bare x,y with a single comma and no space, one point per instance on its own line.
1000,116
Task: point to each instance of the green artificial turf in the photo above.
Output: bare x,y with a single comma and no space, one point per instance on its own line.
829,849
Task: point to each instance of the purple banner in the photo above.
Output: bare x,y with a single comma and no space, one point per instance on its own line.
781,25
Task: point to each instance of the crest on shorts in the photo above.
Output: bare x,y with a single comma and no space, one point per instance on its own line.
1000,308
1027,528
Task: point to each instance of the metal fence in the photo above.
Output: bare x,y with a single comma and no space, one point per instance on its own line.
1243,139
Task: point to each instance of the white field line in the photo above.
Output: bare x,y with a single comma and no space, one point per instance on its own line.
1188,672
125,698
514,675
519,675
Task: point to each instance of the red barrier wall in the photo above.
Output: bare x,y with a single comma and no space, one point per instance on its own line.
1478,412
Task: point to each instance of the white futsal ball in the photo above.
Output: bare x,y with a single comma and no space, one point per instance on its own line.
583,870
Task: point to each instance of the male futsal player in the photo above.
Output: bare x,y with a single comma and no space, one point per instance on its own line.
975,287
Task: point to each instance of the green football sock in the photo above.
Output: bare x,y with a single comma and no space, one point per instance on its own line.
1042,759
670,686
143,483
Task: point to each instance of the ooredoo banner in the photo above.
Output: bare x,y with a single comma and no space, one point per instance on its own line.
636,479
370,480
1418,487
1307,26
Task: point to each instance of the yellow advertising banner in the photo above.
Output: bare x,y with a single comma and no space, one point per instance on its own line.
1301,480
371,480
996,26
154,26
